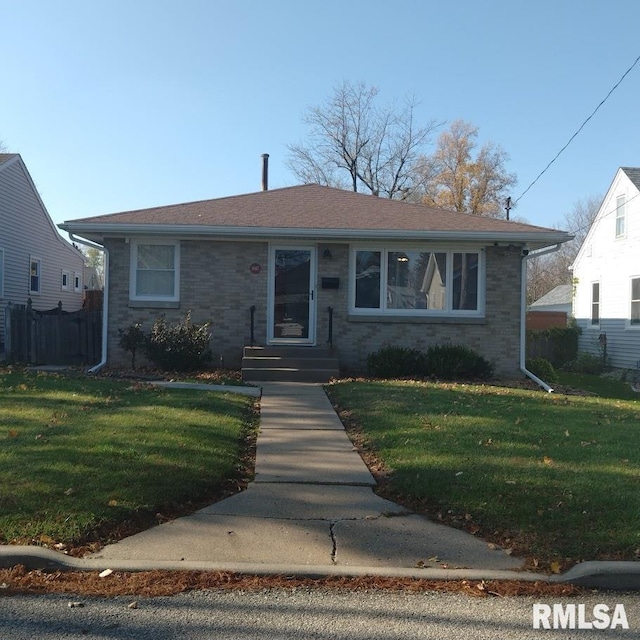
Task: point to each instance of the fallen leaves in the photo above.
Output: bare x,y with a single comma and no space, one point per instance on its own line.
166,583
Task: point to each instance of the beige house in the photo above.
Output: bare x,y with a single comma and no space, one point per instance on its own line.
317,271
36,263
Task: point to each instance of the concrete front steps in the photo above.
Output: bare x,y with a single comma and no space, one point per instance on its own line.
289,364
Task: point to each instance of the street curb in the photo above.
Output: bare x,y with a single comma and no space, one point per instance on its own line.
615,576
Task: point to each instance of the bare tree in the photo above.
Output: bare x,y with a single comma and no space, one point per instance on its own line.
355,144
547,272
453,178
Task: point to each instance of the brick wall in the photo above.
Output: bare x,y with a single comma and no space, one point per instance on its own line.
216,284
496,337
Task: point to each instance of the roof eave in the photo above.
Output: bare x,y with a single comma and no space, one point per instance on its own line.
541,238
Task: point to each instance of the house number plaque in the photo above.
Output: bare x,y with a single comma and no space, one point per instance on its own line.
255,268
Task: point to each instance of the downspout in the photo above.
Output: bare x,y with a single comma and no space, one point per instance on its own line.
523,314
105,298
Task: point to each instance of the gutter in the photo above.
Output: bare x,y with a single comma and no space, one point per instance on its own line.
523,314
105,298
544,237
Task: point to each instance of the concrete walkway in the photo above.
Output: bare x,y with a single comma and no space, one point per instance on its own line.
312,512
311,505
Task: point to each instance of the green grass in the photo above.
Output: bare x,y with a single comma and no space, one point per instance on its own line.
598,385
554,477
79,453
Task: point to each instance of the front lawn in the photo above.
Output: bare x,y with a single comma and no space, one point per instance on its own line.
555,478
80,456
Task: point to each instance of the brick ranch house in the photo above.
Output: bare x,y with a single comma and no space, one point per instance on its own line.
315,267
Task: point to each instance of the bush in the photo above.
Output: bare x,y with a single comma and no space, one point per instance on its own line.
183,346
457,362
543,369
132,339
586,363
396,362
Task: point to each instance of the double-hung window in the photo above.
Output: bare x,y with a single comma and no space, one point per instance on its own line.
35,275
155,271
620,216
595,304
416,281
634,317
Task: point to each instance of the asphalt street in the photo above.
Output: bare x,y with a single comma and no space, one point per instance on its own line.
301,613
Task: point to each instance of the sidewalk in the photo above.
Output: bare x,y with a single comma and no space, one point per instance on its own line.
311,504
311,511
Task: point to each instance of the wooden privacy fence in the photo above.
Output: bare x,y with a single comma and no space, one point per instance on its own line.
52,337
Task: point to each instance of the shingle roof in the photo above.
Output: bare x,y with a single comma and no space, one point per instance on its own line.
307,207
633,173
562,294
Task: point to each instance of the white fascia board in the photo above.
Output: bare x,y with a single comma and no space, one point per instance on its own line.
536,238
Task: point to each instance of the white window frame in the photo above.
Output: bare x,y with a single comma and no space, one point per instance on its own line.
77,281
38,261
631,325
1,273
133,295
64,282
621,216
592,324
447,312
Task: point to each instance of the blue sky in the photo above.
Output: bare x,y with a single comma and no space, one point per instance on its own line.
126,104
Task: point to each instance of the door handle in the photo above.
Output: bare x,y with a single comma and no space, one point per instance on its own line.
312,294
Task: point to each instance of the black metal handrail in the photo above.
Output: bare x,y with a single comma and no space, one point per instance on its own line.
253,325
330,310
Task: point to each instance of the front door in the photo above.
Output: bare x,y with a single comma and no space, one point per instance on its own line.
292,295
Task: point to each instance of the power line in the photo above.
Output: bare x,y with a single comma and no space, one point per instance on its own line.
624,75
603,216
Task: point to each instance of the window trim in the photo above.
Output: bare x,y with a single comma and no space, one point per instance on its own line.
64,286
592,324
634,326
621,217
1,272
38,261
448,312
133,261
77,281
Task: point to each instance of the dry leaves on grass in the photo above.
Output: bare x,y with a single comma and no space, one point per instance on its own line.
167,583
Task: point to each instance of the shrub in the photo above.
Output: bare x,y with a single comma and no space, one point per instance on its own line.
132,339
183,346
457,362
586,363
396,362
543,369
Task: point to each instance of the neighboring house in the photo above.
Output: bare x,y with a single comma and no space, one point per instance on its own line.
319,265
552,309
606,275
35,261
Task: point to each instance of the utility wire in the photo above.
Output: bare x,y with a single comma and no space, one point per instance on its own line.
624,75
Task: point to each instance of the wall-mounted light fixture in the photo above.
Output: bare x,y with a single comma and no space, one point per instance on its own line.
326,254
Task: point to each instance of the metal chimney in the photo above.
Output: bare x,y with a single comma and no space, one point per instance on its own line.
265,171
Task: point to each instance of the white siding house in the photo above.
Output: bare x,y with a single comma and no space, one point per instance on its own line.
35,261
606,272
